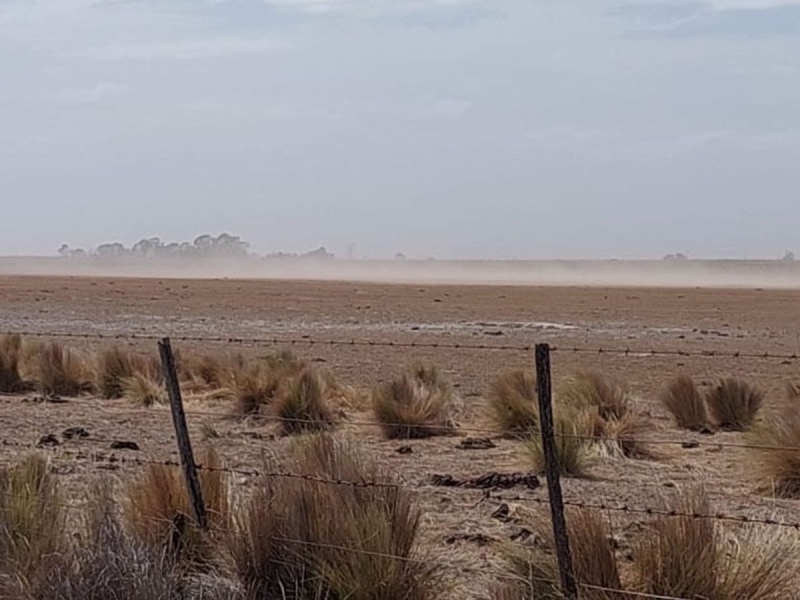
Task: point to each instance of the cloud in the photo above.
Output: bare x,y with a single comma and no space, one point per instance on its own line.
190,49
93,94
370,7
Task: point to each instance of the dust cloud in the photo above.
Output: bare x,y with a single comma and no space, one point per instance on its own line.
690,273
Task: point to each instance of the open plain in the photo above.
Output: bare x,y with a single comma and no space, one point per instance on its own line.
590,327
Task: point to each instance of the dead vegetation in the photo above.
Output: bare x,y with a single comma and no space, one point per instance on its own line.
304,407
734,404
115,365
417,404
683,400
776,450
61,371
10,378
571,429
513,406
141,389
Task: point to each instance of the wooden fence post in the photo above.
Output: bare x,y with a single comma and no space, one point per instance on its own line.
552,470
182,432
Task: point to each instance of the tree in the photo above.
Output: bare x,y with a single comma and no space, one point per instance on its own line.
111,250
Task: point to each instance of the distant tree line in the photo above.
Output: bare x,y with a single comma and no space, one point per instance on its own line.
205,246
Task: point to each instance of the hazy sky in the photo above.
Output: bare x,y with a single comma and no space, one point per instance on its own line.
449,128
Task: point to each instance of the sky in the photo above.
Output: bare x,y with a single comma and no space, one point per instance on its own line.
435,128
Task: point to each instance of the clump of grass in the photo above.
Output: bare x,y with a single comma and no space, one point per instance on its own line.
32,518
683,400
594,561
734,404
513,404
254,390
10,349
141,389
159,514
689,557
609,398
416,404
304,407
114,366
572,432
776,452
285,542
60,371
623,436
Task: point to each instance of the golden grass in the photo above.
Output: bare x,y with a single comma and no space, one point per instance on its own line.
513,405
158,512
141,389
298,538
734,404
32,518
776,452
114,366
10,350
417,404
254,390
304,406
610,398
683,400
693,558
61,371
572,429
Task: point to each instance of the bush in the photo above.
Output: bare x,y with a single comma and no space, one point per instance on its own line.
513,405
683,400
304,407
692,557
159,514
10,349
572,431
60,371
734,404
114,366
414,405
315,540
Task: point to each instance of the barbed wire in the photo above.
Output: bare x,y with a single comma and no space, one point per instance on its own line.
307,340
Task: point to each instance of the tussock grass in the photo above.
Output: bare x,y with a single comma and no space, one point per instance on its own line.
141,389
571,429
609,398
777,459
734,404
10,350
683,400
159,515
694,558
416,404
254,390
60,371
32,518
513,405
114,366
285,542
304,407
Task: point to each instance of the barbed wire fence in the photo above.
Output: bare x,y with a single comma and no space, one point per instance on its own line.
570,587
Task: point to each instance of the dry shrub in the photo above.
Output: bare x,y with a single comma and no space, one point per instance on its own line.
776,452
304,407
572,431
683,400
159,514
691,557
32,518
302,539
513,404
61,371
141,389
593,560
114,366
734,404
10,378
415,405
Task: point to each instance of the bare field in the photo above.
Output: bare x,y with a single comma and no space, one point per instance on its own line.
458,525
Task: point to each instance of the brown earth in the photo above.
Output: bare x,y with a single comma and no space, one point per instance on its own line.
690,320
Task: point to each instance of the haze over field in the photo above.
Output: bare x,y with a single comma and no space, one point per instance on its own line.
447,128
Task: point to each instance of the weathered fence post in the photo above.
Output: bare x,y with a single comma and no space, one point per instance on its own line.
552,470
182,432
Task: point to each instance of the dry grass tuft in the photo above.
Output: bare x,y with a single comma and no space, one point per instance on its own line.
159,515
608,397
693,558
254,390
285,543
10,351
304,407
513,406
415,405
734,404
683,400
778,456
61,371
143,390
114,366
32,518
572,429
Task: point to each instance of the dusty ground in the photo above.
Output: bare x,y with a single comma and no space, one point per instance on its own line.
693,320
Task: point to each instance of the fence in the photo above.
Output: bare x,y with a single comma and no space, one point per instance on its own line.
553,501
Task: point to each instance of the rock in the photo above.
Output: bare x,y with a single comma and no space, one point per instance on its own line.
75,432
706,430
489,481
405,450
123,445
502,513
48,440
476,444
